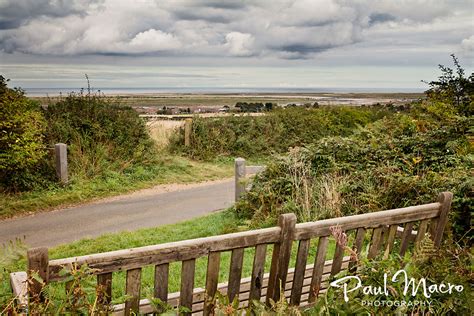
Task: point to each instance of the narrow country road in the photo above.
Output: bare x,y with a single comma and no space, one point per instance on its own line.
129,212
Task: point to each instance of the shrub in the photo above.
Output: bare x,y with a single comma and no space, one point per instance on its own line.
274,132
101,136
22,149
450,264
395,162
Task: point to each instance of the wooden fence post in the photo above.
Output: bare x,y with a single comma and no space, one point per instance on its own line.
187,132
281,257
38,263
444,198
61,162
239,175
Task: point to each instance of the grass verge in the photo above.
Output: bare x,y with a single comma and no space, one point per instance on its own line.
168,169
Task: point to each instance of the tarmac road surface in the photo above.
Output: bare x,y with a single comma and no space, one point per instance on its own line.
129,212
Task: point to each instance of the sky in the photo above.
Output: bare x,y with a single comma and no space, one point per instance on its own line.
382,45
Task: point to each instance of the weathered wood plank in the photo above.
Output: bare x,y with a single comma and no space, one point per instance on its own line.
127,259
370,220
422,231
406,238
199,293
375,243
392,233
38,262
258,271
300,267
318,267
104,284
357,248
281,256
235,272
212,279
187,284
18,282
132,290
444,199
337,259
183,250
161,282
188,126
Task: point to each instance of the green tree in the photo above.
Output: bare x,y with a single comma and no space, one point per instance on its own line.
453,87
22,150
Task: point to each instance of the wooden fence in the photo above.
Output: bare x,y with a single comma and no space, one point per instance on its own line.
379,233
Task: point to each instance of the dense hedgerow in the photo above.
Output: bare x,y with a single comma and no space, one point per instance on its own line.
398,161
101,136
23,154
275,132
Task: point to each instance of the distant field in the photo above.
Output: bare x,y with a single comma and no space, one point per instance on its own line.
219,100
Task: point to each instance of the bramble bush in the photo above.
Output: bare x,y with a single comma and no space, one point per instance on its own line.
394,162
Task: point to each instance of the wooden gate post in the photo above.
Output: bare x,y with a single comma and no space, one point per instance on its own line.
239,175
61,162
444,198
38,263
281,257
187,132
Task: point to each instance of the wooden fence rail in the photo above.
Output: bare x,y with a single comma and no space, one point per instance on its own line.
377,232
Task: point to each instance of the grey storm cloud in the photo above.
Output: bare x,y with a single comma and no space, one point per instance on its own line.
282,29
380,18
17,12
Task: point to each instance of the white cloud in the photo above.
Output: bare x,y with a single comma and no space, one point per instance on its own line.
288,29
153,40
239,44
467,44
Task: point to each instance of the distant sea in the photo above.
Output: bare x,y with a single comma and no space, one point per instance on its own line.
42,92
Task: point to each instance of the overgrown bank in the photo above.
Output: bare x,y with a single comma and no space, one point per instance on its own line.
403,159
274,132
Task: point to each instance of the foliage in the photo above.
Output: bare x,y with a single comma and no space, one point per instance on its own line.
81,298
448,265
275,132
22,151
101,136
453,87
395,162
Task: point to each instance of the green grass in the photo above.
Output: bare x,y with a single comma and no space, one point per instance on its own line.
168,169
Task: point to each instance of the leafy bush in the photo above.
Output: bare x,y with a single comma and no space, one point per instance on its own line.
22,150
101,136
274,132
398,161
448,265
